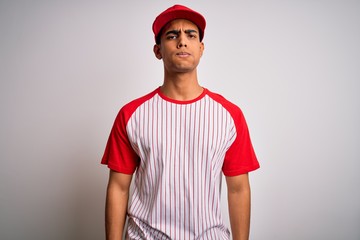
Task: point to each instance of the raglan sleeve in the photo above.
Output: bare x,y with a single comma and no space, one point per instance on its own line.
240,158
119,154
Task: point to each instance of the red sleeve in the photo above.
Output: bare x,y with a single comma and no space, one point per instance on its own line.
119,155
240,157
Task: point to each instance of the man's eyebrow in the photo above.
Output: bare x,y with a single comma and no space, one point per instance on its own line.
176,32
190,31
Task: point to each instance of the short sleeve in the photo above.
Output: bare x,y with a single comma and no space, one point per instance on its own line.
119,155
240,157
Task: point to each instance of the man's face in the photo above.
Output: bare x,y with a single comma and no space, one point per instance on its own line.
180,46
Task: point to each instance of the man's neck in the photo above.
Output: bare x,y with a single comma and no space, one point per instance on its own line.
181,87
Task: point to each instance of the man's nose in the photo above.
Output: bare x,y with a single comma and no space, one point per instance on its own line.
182,40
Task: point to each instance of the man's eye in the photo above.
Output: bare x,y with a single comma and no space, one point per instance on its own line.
171,37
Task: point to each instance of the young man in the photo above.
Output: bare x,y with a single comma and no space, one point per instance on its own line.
178,140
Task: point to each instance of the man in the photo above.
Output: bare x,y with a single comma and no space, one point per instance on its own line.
178,140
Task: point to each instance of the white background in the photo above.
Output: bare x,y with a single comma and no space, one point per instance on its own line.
66,67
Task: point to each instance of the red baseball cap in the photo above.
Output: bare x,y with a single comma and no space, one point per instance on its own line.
178,12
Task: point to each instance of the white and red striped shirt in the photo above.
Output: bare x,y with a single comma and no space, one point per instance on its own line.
179,150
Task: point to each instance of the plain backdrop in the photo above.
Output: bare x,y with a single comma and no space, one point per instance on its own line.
66,68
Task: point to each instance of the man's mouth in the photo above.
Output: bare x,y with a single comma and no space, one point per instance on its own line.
183,54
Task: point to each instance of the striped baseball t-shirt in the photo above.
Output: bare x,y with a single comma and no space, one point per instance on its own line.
179,150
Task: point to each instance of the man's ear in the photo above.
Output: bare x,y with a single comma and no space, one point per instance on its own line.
157,51
202,47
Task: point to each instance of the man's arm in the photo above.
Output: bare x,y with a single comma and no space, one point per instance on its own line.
116,204
239,206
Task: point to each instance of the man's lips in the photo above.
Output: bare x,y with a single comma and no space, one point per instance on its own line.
183,54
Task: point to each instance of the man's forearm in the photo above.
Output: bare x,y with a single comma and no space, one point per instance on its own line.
239,212
115,213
